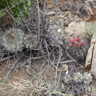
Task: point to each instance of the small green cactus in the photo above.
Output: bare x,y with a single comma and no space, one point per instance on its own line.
13,40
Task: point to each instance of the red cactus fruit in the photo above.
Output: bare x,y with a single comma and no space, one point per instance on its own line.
71,40
82,43
78,39
70,45
75,39
76,44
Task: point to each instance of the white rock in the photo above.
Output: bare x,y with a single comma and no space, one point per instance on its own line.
76,28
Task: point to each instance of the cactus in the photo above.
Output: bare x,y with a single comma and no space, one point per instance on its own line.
77,48
87,78
12,41
30,41
77,77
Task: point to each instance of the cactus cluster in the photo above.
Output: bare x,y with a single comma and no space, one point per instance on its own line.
78,78
77,49
30,41
13,40
86,78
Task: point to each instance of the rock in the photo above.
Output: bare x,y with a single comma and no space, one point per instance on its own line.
89,57
59,22
67,18
93,67
49,3
65,6
77,19
59,30
50,14
90,51
64,67
93,41
91,7
76,28
84,95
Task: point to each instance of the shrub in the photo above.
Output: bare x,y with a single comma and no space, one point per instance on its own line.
90,29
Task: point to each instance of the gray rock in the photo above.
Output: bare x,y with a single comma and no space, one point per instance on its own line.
93,66
64,67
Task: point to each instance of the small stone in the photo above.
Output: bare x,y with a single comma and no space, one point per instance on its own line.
49,7
66,23
64,67
84,95
59,30
50,14
76,28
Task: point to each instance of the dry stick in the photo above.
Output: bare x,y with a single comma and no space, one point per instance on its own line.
58,81
55,66
43,17
71,57
43,65
67,61
5,58
11,13
33,59
14,67
46,45
60,54
32,92
38,12
29,67
24,20
10,71
7,63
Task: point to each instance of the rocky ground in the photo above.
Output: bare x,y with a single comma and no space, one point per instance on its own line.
78,78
